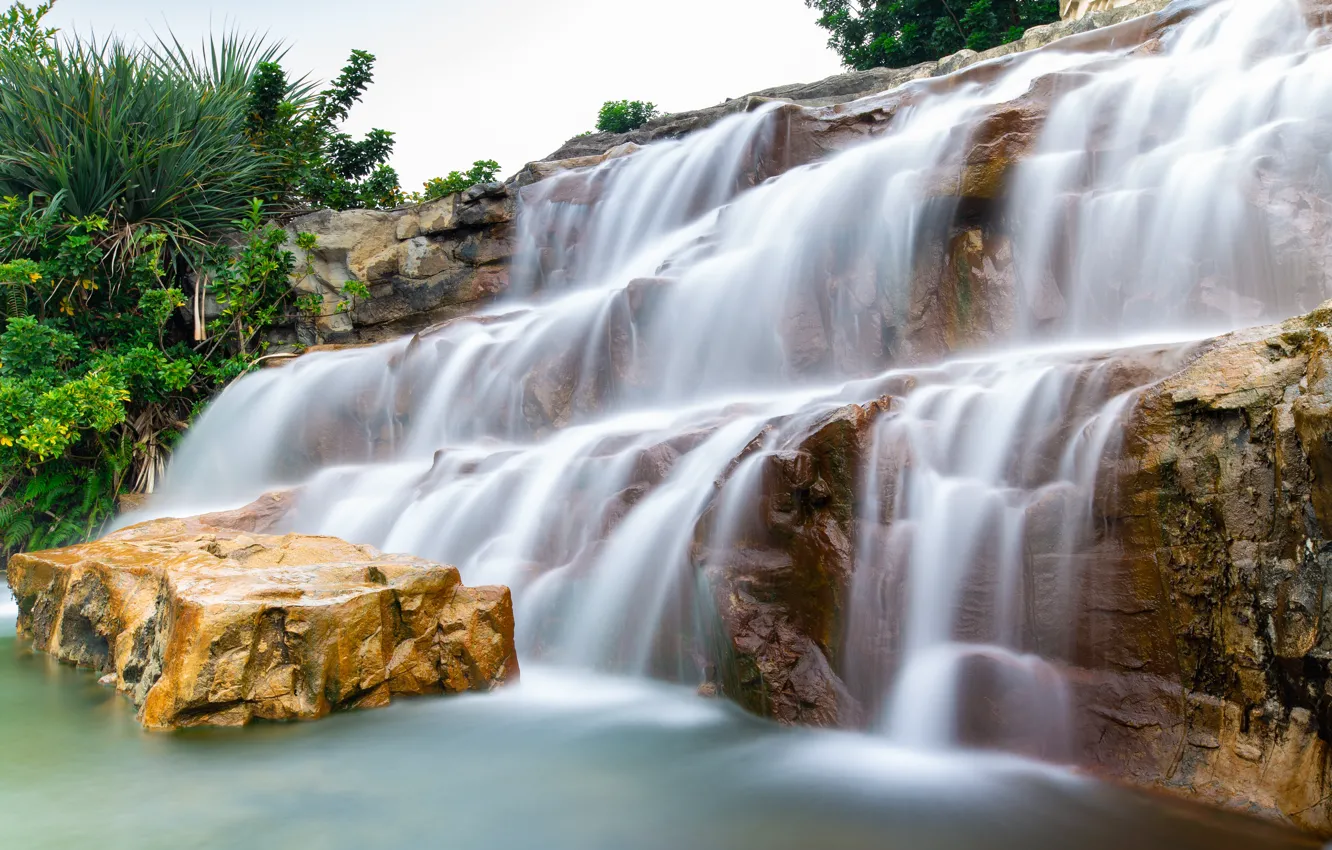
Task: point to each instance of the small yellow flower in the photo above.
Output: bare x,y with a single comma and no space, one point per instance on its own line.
5,441
34,277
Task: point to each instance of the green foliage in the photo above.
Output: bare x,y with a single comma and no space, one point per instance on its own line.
482,171
621,116
97,371
123,133
251,285
297,131
355,290
21,31
898,33
135,183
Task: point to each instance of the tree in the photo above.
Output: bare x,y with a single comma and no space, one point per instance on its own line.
318,166
899,33
21,31
621,116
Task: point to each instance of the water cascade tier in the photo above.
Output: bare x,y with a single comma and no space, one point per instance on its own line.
853,413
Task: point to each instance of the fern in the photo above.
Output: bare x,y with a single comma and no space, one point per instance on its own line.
15,302
45,490
9,511
18,531
56,506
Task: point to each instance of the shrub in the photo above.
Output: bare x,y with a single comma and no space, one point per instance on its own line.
899,33
113,132
482,171
98,373
119,169
621,116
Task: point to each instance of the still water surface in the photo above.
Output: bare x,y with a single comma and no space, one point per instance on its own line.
561,761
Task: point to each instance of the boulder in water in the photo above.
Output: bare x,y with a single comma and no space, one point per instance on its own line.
207,625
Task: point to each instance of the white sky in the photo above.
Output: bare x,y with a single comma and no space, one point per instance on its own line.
510,80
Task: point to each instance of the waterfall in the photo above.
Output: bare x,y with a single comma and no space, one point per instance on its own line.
1159,194
685,317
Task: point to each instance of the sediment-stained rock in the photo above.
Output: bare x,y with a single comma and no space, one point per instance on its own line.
1206,621
779,577
204,625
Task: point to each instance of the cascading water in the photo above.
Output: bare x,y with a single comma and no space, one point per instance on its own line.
1162,191
678,315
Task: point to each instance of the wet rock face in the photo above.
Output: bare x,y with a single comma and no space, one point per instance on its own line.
1206,620
780,576
204,625
431,263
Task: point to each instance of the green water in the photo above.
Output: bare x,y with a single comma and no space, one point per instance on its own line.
558,762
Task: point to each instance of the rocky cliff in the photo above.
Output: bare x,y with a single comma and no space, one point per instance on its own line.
1207,611
1200,662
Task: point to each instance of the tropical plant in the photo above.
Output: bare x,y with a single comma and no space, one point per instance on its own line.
122,172
114,131
482,171
98,370
621,116
898,33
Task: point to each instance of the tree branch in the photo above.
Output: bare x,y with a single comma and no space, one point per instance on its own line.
956,22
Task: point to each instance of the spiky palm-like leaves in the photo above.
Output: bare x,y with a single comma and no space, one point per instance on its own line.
141,136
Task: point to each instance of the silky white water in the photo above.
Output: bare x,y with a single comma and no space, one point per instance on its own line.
672,313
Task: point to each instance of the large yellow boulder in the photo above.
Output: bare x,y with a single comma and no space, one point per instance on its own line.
204,625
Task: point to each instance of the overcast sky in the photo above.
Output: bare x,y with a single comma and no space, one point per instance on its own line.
510,80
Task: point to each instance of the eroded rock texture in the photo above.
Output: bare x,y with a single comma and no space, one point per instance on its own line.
1207,618
203,625
781,573
421,264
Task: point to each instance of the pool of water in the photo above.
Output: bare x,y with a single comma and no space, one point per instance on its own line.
559,761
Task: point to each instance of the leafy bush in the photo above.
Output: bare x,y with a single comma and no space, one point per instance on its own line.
621,116
899,33
97,371
317,165
21,30
120,170
482,171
